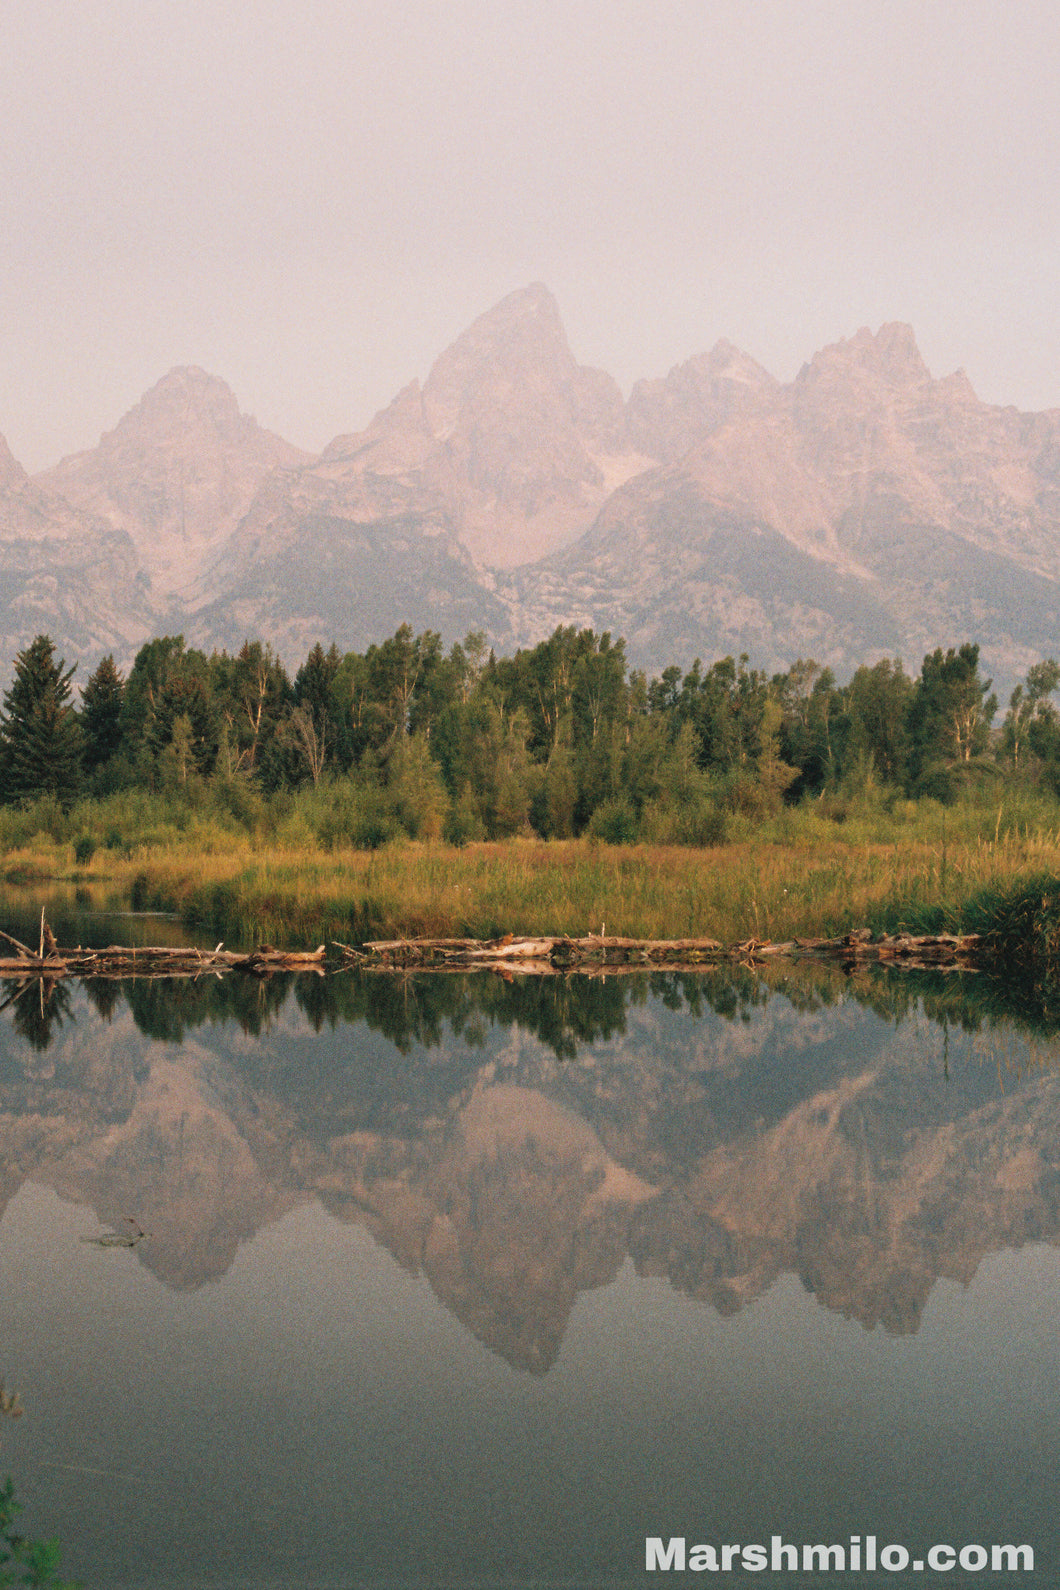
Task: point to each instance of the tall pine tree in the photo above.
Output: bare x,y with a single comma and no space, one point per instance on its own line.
101,703
40,740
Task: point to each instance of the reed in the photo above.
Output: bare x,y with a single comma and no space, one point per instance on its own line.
1020,921
816,870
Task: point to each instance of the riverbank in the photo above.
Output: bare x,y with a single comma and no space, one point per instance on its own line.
913,868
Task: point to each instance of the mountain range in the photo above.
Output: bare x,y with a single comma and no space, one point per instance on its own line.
863,509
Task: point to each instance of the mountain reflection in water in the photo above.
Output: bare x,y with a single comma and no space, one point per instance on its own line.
520,1144
533,1133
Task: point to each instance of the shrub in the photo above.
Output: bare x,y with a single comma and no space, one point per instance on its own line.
700,822
47,816
937,782
84,849
344,813
26,1562
416,792
464,825
238,798
615,822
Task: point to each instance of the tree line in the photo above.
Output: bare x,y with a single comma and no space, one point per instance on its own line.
560,739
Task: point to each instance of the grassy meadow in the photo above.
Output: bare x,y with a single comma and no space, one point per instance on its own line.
283,872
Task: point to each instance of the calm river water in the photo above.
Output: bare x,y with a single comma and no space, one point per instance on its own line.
464,1281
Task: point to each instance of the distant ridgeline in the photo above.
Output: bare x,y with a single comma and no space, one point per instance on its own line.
558,740
864,509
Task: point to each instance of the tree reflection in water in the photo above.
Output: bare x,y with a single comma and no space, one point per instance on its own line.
38,1008
564,1012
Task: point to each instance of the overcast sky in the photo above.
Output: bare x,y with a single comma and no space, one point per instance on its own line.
312,198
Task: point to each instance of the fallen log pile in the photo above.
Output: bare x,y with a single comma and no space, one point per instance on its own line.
554,953
966,951
560,952
119,960
508,954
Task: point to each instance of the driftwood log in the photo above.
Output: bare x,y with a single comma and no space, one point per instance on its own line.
120,960
559,952
508,954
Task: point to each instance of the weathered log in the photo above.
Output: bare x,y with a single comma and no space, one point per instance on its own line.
119,960
601,952
596,954
32,966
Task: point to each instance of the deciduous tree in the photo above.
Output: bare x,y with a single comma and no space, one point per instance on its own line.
951,710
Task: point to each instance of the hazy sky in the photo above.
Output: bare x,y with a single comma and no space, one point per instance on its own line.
312,198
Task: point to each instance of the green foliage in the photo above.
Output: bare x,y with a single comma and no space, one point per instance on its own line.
236,797
615,822
408,740
28,1564
951,710
344,812
1021,923
169,717
40,740
415,789
101,704
34,821
464,823
312,727
251,693
877,703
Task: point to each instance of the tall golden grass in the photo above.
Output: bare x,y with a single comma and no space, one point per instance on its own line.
806,873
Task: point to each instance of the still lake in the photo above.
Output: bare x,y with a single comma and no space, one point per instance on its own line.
466,1280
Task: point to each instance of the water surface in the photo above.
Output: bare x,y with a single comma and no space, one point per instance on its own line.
464,1280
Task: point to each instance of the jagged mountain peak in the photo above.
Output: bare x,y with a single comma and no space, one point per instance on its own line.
523,441
510,446
187,412
187,403
958,388
725,358
889,356
863,507
709,372
516,348
176,473
530,312
666,418
189,378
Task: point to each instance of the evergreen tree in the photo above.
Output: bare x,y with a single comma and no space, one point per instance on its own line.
101,702
183,700
155,663
314,725
40,740
168,682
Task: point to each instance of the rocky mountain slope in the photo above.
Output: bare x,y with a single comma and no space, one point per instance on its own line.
64,572
177,474
507,450
864,509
